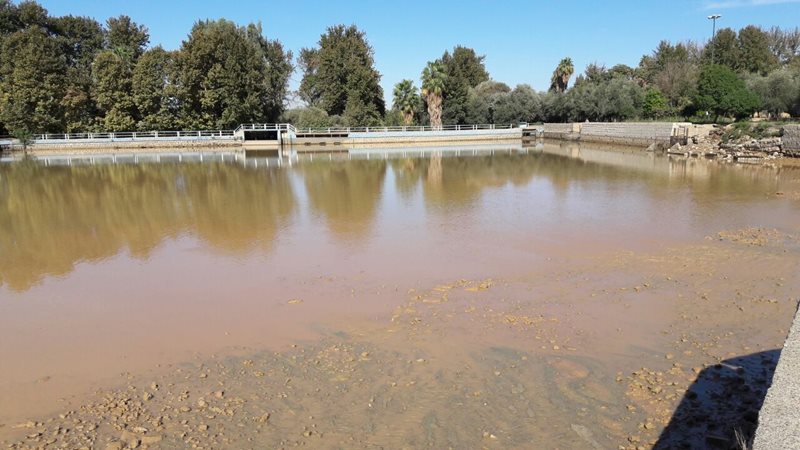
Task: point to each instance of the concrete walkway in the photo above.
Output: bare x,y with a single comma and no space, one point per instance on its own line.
779,419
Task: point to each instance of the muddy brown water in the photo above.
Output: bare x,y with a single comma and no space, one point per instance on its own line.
560,296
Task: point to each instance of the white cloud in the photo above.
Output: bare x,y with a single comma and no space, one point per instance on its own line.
727,4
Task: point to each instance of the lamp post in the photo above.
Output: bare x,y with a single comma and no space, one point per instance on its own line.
713,18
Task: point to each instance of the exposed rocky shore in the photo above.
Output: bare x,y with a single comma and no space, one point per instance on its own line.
723,142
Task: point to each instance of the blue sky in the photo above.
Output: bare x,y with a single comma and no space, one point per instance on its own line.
522,40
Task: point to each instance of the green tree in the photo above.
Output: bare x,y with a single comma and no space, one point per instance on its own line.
360,113
309,91
126,37
483,100
673,69
755,54
9,18
154,90
722,93
31,14
342,65
394,118
310,117
605,99
81,38
112,73
489,88
465,69
523,104
32,82
623,71
24,137
779,91
465,64
406,100
433,83
225,76
278,70
556,107
724,48
560,79
655,104
595,73
112,89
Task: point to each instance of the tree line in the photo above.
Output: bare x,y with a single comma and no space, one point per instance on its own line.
734,75
74,74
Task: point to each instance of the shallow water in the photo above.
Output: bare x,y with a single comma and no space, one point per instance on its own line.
134,268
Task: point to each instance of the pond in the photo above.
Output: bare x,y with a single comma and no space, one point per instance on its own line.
498,297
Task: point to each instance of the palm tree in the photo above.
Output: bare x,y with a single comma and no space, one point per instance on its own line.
561,76
406,100
433,78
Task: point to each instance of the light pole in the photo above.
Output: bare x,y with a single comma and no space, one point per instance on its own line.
713,18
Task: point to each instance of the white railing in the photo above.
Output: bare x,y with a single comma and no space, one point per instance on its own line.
192,135
418,128
265,127
134,136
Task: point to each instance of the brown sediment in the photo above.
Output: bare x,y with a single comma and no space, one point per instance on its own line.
600,351
524,301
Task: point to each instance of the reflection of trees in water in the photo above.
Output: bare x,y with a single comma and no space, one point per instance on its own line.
705,179
435,169
54,217
239,209
51,218
459,181
345,193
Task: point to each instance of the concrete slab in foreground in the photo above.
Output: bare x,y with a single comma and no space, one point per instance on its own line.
779,419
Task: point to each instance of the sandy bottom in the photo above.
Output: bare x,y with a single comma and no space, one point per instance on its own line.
667,349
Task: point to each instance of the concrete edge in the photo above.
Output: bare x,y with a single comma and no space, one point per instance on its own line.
779,419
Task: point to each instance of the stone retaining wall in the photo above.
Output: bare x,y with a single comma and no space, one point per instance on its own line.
779,419
790,141
628,133
642,133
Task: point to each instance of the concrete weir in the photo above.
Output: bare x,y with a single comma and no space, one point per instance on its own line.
339,140
779,419
266,138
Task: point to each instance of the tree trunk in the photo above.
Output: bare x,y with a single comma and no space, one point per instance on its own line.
407,118
435,109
